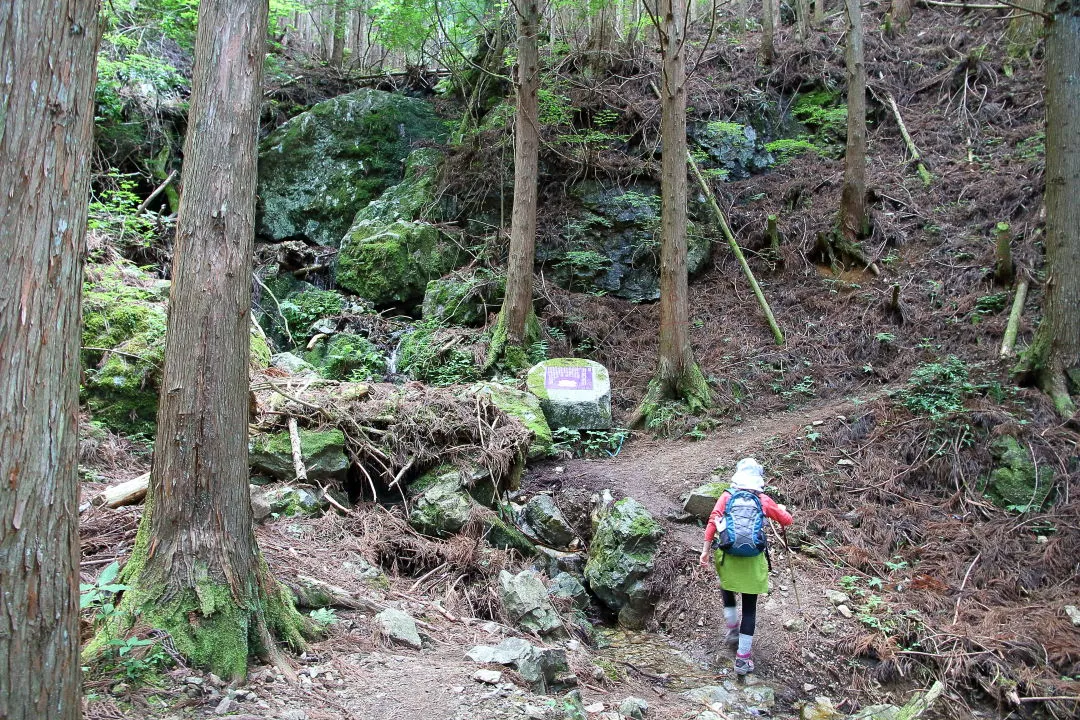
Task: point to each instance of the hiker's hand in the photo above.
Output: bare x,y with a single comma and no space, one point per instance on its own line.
704,559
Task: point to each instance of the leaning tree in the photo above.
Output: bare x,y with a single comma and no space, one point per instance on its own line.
47,59
196,571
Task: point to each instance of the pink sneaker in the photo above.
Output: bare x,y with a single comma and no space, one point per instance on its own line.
743,665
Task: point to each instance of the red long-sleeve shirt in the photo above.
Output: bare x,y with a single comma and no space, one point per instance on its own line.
769,506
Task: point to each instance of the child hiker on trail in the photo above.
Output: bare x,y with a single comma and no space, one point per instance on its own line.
742,560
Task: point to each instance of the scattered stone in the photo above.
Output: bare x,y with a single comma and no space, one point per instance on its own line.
710,694
488,677
193,680
294,715
223,706
535,712
794,625
709,715
464,297
827,629
440,505
633,708
542,516
846,462
597,707
621,556
877,712
836,597
526,602
538,666
1073,614
844,610
574,393
292,364
398,627
573,706
760,695
821,708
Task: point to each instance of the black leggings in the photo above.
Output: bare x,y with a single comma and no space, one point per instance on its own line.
749,610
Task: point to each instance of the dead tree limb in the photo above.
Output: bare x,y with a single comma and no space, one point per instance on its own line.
916,158
1009,341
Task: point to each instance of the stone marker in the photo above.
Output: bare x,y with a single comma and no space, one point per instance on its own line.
574,393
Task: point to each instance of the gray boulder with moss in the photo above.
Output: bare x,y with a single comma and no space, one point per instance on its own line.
702,499
543,518
323,452
319,168
526,602
1015,482
613,242
524,407
621,556
574,393
290,501
464,297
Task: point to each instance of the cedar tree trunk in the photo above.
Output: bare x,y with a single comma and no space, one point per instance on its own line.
196,571
48,51
1053,360
768,31
853,221
517,326
337,49
677,375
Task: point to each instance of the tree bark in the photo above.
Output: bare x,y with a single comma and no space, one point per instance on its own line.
516,320
819,12
899,14
196,570
47,62
802,11
1054,356
337,48
768,31
677,375
853,222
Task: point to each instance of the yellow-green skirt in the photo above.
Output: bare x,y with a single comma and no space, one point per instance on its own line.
742,574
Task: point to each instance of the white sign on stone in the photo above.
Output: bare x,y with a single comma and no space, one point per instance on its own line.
574,393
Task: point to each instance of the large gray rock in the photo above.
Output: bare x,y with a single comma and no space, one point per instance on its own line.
292,364
542,516
289,501
323,453
464,297
634,708
702,499
574,393
441,506
621,556
522,406
565,585
398,627
319,168
526,602
542,668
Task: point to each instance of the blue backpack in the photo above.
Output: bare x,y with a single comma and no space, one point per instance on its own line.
742,533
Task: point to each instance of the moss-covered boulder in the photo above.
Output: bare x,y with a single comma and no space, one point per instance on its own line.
390,264
124,346
612,243
1015,482
413,198
730,150
322,166
440,503
289,501
323,452
463,298
524,407
526,602
621,556
574,393
702,499
346,356
542,516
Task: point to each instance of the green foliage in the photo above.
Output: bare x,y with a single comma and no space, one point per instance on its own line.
304,308
426,357
937,389
991,304
1032,148
98,596
588,443
822,111
583,265
787,148
323,617
347,357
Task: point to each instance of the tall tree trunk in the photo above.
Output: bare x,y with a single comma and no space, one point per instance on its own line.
516,326
768,31
899,14
819,12
337,50
1054,357
853,221
677,374
47,60
802,19
196,571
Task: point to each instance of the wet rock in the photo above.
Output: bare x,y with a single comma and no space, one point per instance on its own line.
525,600
634,708
1015,481
398,627
542,516
574,393
621,556
292,364
318,169
710,695
702,499
565,585
821,708
323,453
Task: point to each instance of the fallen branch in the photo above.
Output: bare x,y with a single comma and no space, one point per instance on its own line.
960,594
915,157
297,452
920,703
1009,341
157,191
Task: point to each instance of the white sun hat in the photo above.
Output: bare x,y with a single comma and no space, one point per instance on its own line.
749,475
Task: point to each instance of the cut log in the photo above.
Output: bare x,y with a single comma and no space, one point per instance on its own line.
1009,341
128,492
